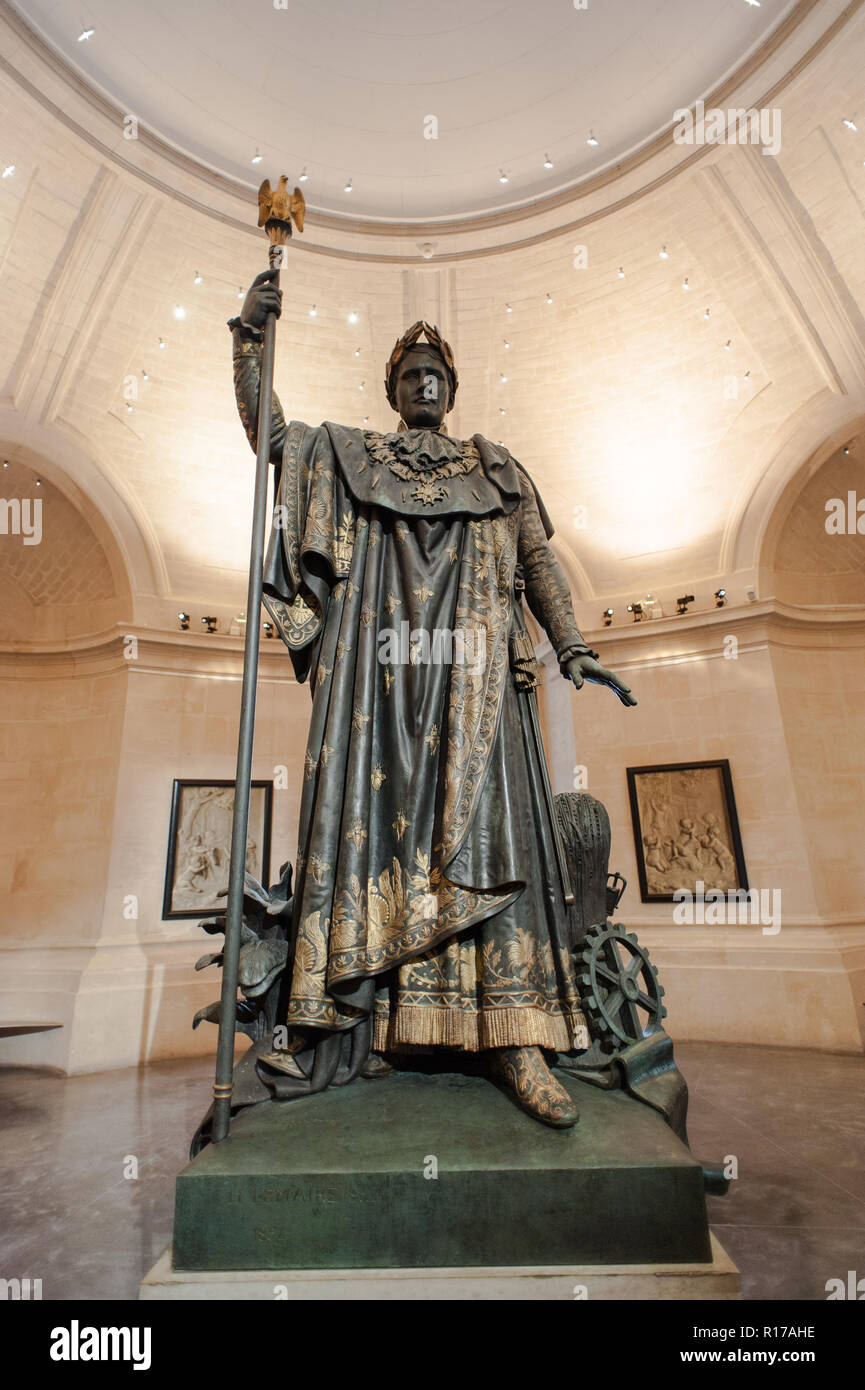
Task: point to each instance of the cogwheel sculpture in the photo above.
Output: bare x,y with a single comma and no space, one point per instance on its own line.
619,987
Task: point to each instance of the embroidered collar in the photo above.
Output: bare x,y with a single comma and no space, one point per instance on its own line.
409,452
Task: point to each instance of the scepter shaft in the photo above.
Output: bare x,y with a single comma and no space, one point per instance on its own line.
222,1086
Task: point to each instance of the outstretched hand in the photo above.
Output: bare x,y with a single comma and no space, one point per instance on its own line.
586,668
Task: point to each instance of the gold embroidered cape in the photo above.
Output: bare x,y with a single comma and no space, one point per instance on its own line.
426,893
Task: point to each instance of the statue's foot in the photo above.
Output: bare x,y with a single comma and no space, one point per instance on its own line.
526,1074
284,1063
375,1066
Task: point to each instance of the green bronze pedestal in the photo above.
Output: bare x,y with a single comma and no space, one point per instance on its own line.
339,1181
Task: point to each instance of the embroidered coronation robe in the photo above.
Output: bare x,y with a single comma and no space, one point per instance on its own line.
428,908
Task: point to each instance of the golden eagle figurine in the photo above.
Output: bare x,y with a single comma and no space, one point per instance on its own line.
277,207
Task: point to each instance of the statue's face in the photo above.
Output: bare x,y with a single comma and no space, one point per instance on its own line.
421,389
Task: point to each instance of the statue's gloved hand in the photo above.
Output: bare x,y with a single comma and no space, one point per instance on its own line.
262,298
586,668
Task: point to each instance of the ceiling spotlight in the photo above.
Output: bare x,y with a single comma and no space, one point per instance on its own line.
183,619
721,598
502,410
747,376
257,158
145,375
508,309
366,419
707,313
239,292
549,299
846,451
161,344
502,377
198,278
607,617
548,163
210,623
754,3
8,171
5,463
347,188
85,35
685,285
728,345
267,629
507,344
179,311
362,384
352,318
637,610
38,482
621,272
357,352
302,178
503,178
592,140
129,407
313,312
664,254
851,125
682,603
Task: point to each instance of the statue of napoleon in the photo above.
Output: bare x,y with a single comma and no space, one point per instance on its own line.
428,908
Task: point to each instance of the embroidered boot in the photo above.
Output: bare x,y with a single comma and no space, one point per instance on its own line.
526,1074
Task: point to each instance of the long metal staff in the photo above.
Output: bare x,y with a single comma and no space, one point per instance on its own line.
275,211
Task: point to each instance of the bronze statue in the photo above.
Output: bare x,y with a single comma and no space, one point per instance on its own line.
430,896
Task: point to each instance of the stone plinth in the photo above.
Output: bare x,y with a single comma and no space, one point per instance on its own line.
343,1181
673,1282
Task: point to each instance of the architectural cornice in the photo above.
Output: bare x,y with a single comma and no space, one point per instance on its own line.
695,634
139,649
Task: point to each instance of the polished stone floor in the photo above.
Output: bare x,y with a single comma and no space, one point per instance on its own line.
71,1216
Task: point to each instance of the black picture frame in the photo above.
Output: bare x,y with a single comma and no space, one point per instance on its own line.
169,911
721,767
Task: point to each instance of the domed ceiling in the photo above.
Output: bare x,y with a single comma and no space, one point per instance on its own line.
423,107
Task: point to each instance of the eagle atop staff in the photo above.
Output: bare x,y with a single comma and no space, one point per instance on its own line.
278,206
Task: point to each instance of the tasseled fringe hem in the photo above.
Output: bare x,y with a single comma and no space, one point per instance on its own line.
426,1026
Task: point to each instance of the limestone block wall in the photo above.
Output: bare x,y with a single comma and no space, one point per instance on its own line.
796,765
88,762
181,722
